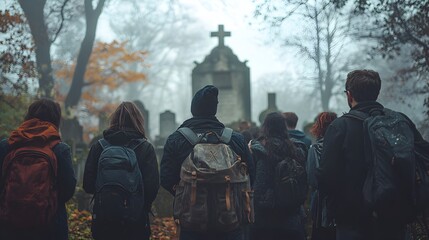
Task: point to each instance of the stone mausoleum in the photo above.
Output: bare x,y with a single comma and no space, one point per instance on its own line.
223,69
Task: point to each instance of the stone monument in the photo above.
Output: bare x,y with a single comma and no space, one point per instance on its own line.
272,107
223,69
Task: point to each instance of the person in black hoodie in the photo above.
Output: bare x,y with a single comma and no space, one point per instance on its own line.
268,150
177,148
343,168
126,124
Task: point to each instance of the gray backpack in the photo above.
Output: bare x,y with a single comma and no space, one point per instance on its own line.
119,184
214,192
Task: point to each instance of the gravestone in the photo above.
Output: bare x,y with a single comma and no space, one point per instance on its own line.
223,69
145,113
167,125
163,204
272,107
71,130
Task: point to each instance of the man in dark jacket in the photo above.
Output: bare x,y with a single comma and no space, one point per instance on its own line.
177,149
343,168
294,134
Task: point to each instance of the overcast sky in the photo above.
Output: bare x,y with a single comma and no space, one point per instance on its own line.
247,42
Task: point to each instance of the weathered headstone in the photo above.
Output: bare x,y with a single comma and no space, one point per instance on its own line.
223,69
71,130
167,125
163,204
272,107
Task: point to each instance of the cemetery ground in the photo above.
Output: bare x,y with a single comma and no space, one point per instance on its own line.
163,228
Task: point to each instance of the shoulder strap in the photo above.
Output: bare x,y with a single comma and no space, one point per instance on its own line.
104,143
355,114
134,143
226,135
189,135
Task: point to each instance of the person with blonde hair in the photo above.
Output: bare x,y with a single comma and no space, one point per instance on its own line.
122,172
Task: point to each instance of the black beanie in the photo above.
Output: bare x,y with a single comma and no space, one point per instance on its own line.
204,102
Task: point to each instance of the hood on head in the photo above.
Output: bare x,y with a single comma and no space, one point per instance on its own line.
204,103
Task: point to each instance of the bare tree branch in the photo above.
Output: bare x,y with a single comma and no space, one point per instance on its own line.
62,21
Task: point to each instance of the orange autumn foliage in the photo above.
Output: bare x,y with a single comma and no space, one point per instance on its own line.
110,66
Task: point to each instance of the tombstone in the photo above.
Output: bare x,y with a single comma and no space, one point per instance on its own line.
145,113
163,204
223,69
272,107
167,125
71,130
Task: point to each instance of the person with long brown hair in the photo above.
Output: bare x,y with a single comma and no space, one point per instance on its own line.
322,229
273,219
125,137
37,177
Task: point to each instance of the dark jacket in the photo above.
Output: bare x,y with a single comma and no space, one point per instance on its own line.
343,168
313,162
66,187
146,159
300,136
177,148
266,216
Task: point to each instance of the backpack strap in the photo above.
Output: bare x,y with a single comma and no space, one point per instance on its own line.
190,135
134,143
104,143
226,135
355,114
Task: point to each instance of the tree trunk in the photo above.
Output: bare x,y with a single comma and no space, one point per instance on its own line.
85,51
33,10
71,129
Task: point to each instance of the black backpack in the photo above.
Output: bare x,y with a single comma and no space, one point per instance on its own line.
290,189
393,182
119,184
302,148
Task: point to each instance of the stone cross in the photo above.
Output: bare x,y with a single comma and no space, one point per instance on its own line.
221,35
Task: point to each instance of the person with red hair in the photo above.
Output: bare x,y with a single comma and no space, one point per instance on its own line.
323,227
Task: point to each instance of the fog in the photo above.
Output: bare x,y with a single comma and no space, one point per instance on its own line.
174,34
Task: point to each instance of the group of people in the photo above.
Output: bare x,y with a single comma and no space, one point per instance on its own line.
226,185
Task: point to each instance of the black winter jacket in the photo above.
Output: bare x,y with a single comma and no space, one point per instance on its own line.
266,216
177,148
343,168
146,159
66,187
